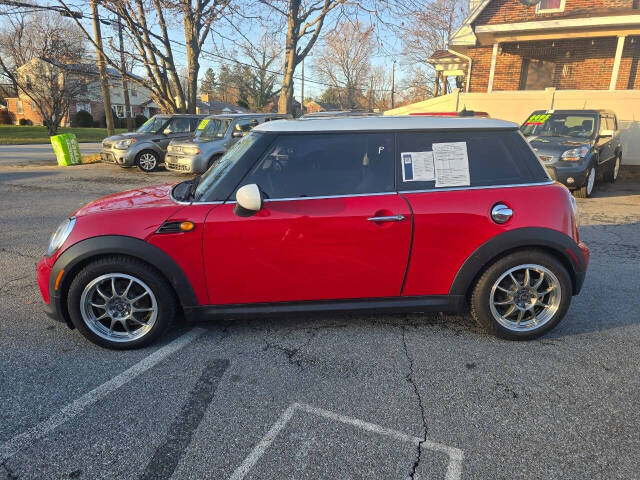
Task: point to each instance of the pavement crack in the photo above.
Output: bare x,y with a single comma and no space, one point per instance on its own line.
412,382
19,254
291,353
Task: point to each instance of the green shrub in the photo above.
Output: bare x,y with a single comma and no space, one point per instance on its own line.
83,119
25,121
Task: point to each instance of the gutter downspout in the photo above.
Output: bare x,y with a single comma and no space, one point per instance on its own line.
468,59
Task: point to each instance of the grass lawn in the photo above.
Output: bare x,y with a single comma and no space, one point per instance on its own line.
21,135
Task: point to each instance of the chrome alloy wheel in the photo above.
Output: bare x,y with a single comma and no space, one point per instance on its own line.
118,307
147,161
591,180
525,297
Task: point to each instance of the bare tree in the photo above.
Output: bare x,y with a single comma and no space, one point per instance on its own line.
429,28
305,19
344,61
264,58
41,55
379,89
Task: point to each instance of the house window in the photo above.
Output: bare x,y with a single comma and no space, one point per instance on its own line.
83,106
119,110
548,6
536,74
134,92
19,107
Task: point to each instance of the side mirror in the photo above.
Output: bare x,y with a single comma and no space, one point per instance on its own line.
606,133
248,200
237,134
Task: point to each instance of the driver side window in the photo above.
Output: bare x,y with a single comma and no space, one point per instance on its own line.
326,165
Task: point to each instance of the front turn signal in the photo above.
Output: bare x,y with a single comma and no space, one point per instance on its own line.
187,226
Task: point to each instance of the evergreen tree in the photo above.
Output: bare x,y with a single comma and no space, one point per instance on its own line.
208,83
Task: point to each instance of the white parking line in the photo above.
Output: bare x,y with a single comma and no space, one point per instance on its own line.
71,410
454,469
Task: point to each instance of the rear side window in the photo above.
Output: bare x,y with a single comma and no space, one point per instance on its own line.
326,165
493,158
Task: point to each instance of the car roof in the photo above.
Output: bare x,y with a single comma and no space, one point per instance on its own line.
578,111
186,115
360,123
240,115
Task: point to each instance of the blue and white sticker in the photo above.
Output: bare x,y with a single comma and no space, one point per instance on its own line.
417,167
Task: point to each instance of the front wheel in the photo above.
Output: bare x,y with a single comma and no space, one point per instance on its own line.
120,303
587,189
147,161
522,296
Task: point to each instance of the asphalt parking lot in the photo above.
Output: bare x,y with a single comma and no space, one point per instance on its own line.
336,397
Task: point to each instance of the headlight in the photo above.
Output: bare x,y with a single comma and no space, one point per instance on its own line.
60,235
124,144
191,150
575,154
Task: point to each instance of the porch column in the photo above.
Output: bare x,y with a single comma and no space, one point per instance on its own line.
616,63
494,57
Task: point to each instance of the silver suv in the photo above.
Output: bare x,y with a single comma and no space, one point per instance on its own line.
146,146
212,139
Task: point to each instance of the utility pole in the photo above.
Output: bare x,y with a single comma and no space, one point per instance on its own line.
104,81
125,81
393,84
302,93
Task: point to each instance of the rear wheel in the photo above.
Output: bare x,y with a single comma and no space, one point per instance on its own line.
522,296
147,161
589,185
120,303
613,169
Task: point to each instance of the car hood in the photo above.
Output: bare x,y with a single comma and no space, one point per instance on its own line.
157,196
555,146
124,136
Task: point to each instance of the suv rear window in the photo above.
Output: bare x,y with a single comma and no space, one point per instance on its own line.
313,165
495,157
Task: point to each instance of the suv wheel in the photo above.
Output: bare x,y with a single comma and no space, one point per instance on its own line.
612,170
587,189
147,161
522,296
120,303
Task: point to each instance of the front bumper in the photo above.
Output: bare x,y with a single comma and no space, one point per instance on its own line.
185,163
50,297
571,176
124,158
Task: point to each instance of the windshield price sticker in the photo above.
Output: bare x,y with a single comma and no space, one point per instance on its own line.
417,167
451,164
538,119
203,124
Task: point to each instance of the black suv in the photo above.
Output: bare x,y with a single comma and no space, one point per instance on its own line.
576,146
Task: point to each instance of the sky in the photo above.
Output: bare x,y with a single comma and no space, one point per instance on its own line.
389,46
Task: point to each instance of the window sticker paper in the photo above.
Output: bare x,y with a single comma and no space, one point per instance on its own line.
417,167
451,164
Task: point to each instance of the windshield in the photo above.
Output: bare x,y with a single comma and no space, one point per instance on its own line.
560,124
153,125
212,128
212,177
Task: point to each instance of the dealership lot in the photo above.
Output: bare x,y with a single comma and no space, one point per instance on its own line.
324,396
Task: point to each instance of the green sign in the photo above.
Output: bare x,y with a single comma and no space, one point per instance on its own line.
67,150
538,119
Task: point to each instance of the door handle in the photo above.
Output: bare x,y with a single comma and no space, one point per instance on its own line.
390,218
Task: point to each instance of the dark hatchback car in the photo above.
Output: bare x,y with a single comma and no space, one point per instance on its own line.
576,146
147,146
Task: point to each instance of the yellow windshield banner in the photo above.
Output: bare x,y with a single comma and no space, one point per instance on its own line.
203,124
538,119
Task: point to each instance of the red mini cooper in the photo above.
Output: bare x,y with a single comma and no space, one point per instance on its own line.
330,214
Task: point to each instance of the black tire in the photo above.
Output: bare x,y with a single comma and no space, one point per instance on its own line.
148,161
481,296
584,192
213,160
611,174
163,295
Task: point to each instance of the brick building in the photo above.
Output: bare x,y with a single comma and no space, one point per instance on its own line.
564,44
21,106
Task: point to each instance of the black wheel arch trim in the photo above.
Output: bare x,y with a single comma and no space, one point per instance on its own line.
560,244
100,246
